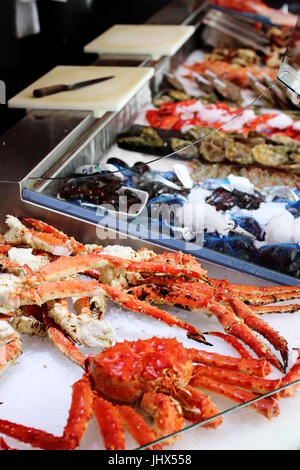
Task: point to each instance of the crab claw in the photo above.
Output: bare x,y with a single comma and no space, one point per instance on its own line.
199,337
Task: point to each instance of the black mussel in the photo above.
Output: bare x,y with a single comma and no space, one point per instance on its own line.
238,246
140,168
118,162
225,200
283,257
250,225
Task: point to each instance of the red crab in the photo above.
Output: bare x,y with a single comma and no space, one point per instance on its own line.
161,377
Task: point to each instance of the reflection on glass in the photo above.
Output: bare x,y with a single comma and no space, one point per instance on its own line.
293,52
289,72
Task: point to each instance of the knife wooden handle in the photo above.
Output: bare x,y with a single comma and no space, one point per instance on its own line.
49,90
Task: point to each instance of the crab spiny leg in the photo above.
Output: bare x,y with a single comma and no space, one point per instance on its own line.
191,398
44,227
233,341
266,290
80,412
166,413
48,291
4,445
18,234
249,382
267,298
268,407
258,367
234,326
261,309
198,296
291,376
67,266
109,422
65,346
132,303
10,345
79,416
137,426
262,327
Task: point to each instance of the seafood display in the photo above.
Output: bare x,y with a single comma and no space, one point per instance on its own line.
121,187
42,269
97,191
236,76
275,149
260,8
257,226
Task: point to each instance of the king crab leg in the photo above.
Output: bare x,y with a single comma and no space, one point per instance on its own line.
132,303
198,296
234,326
268,407
249,382
190,398
18,234
258,367
233,341
43,227
166,413
10,345
259,325
63,344
68,266
79,416
261,309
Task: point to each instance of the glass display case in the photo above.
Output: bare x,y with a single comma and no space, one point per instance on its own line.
205,161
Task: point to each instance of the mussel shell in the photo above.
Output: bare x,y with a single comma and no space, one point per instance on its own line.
250,225
118,162
141,168
238,246
285,257
225,200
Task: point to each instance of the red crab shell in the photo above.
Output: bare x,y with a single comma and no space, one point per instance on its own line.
125,371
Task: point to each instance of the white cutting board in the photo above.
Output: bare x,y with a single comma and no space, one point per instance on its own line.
110,95
154,40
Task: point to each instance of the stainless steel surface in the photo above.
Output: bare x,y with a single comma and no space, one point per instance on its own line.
40,136
230,27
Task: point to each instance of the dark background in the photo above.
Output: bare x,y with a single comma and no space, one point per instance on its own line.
65,29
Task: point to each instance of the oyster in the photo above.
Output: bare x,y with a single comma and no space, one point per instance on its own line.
213,147
180,144
270,155
197,133
245,57
238,152
170,95
142,139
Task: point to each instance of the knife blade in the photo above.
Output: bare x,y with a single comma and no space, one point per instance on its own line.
51,90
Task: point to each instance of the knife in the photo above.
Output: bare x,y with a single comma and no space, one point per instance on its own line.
51,90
